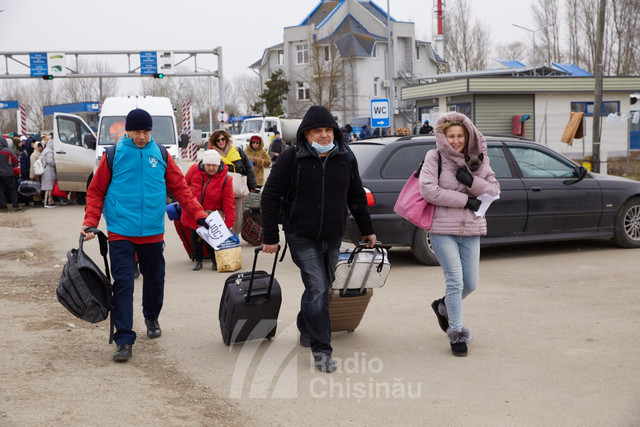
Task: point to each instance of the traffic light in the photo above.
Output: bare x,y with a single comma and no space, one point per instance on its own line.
47,77
158,76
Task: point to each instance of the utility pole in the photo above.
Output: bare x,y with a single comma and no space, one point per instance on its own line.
390,89
597,102
218,51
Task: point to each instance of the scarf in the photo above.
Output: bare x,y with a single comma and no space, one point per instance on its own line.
229,155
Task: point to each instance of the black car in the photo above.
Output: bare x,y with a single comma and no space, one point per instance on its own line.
544,196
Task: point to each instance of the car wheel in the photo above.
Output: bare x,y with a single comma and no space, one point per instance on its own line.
421,248
627,227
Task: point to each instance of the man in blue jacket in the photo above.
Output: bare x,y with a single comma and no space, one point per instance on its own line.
132,195
316,182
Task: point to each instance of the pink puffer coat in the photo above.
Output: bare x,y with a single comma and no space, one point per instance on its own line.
449,195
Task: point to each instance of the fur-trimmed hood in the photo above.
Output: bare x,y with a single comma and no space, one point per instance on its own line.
476,145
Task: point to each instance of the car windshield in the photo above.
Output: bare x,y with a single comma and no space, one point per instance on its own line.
251,126
112,130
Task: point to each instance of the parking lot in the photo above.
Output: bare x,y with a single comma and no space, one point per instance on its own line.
554,327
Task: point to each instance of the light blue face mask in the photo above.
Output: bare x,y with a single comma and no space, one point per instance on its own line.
321,149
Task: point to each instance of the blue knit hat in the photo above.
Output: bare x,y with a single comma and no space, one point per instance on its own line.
138,119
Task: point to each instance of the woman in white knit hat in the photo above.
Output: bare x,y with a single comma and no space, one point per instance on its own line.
211,184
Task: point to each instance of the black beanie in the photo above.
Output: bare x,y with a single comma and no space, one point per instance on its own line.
138,119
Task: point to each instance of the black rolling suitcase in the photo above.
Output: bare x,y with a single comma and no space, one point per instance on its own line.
250,304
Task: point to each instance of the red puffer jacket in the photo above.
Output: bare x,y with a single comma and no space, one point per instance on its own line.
212,192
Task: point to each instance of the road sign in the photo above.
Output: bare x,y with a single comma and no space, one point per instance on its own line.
222,117
148,63
8,105
165,62
38,64
380,113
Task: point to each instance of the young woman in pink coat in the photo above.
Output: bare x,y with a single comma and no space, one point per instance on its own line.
456,229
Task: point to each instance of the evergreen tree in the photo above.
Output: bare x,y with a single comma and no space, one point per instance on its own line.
273,96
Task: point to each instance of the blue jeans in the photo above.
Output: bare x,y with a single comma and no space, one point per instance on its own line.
317,261
122,254
460,260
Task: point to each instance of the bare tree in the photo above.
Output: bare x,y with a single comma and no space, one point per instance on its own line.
625,28
513,51
574,52
545,13
467,42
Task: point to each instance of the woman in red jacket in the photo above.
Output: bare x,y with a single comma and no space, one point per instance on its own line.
213,187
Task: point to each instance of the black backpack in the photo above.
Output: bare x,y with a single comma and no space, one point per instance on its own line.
83,289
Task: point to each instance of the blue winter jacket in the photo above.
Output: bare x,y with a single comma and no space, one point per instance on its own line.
135,201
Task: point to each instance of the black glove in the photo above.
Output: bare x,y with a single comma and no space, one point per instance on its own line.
464,176
203,223
473,204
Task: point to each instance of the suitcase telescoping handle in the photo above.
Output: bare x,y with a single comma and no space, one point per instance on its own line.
362,245
257,250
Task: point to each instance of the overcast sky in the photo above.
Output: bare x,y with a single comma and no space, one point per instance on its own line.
244,28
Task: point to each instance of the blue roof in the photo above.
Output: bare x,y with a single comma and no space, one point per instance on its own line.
574,70
511,64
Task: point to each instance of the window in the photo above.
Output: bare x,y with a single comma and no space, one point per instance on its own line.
537,164
402,162
375,88
327,53
417,53
281,57
499,162
302,53
608,107
303,91
464,108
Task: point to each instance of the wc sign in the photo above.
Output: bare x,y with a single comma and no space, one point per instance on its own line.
380,113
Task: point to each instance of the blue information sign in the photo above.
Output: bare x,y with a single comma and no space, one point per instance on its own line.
8,105
380,113
148,63
38,64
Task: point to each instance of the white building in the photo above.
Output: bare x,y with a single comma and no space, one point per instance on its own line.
337,57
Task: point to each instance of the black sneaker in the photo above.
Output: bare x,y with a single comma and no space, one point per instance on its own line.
123,353
153,328
324,363
442,320
305,339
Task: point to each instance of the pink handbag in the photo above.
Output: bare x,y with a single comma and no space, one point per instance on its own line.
410,204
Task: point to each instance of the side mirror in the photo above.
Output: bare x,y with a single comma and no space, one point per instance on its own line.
579,172
90,141
183,141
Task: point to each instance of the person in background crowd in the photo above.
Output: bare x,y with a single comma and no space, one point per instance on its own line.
426,129
8,190
260,158
132,194
37,152
414,129
366,133
213,187
49,176
455,231
276,147
347,133
238,162
319,180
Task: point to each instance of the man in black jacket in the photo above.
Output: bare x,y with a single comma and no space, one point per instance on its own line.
316,181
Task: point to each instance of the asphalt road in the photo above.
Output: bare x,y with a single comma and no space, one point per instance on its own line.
554,327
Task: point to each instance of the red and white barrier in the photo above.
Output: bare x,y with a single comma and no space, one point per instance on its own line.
190,152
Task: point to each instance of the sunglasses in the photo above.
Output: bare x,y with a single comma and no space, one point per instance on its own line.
221,139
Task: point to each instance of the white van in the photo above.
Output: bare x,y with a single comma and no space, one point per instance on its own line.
78,154
114,113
